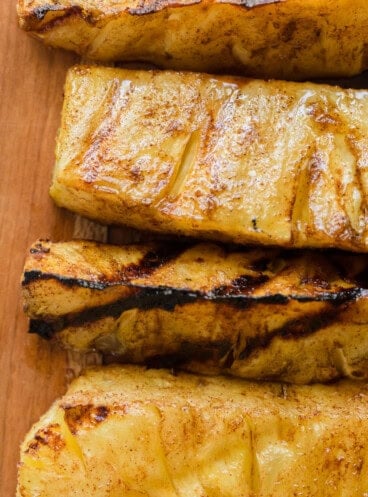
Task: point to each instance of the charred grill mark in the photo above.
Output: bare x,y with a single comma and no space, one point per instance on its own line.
293,330
238,294
102,128
155,6
167,299
336,298
40,13
254,224
101,414
46,329
243,285
189,351
30,276
39,248
145,8
48,436
94,135
84,415
251,4
144,299
151,261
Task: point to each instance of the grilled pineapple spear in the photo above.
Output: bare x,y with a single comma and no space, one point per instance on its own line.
271,163
129,432
292,39
256,313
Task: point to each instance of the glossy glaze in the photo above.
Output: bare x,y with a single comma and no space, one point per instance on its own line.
239,160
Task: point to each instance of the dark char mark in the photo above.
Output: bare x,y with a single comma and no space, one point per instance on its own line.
143,9
30,276
157,5
39,248
82,416
145,267
251,4
45,329
240,286
293,329
168,299
40,12
190,351
145,298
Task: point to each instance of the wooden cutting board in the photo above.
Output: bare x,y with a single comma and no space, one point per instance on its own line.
32,375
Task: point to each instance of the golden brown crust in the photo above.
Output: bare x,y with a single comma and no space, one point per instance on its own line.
132,432
284,39
227,158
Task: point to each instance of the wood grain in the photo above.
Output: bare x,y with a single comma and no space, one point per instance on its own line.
31,89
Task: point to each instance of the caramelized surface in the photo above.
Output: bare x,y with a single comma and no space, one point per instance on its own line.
239,160
126,431
289,39
299,317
